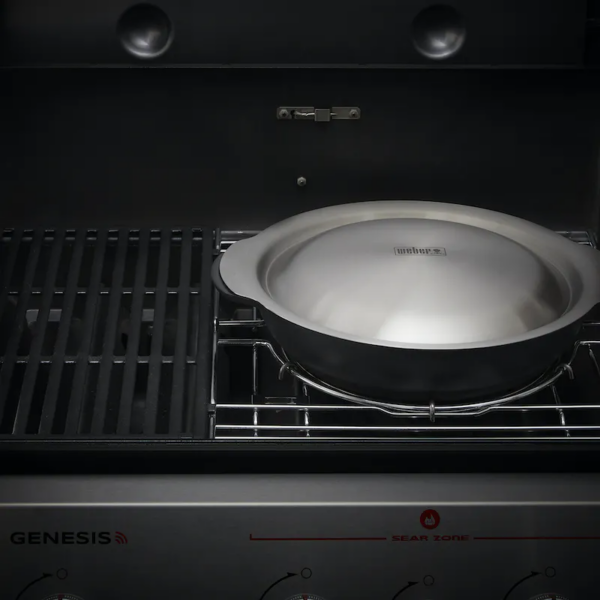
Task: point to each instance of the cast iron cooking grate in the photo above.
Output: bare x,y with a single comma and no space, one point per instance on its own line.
251,401
99,332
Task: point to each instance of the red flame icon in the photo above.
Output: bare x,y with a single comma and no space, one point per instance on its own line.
430,519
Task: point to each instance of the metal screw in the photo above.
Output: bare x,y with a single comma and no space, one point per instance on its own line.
284,113
353,113
301,181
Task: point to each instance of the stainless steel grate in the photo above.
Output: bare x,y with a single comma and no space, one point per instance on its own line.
250,401
99,332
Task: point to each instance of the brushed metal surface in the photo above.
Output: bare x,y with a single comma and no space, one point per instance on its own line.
344,537
416,275
418,281
286,490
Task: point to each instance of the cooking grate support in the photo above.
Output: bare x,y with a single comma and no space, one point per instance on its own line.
105,334
246,420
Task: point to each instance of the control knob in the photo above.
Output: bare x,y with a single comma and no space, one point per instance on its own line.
306,597
63,597
549,597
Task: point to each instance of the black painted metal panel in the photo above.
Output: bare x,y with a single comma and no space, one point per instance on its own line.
177,147
236,32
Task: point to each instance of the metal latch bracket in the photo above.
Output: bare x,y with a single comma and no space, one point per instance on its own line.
322,115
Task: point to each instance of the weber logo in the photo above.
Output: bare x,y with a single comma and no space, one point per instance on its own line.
412,251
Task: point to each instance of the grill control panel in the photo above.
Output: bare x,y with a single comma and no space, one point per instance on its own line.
405,537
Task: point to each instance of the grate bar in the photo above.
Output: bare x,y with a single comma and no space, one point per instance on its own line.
15,243
95,360
110,335
24,407
51,397
23,302
154,371
78,389
216,326
137,307
179,357
59,291
204,345
192,375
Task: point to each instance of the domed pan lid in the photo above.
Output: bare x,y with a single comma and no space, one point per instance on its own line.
419,275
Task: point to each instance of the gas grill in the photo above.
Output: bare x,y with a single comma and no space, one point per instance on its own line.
117,350
155,440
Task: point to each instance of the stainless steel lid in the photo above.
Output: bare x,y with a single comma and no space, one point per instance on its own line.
418,281
416,274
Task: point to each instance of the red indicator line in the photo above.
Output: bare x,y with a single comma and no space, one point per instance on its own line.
539,538
317,539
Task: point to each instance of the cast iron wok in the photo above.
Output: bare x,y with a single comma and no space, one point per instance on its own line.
416,301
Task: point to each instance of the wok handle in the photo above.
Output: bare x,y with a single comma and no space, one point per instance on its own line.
222,287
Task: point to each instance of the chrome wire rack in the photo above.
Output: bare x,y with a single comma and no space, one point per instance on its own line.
262,395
